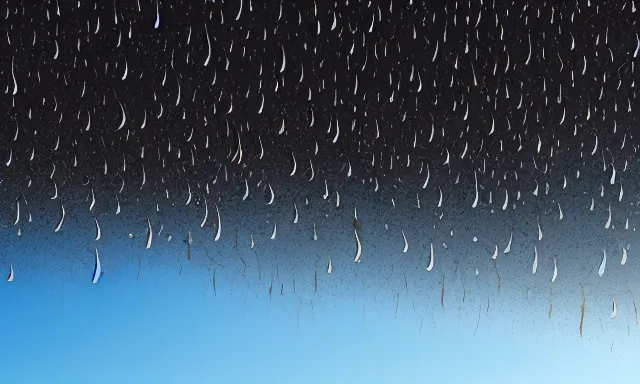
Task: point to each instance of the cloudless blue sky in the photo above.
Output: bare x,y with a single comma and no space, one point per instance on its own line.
169,327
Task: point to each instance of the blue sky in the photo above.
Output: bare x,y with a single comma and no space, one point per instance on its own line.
169,327
457,128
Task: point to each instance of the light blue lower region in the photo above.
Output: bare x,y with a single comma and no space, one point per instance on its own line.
171,328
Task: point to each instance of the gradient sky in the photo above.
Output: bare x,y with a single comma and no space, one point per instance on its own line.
282,136
169,327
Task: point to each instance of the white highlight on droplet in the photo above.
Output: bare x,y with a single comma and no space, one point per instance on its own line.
157,24
273,195
10,277
359,247
149,234
219,225
431,257
98,231
475,202
539,232
59,226
603,263
17,212
508,248
206,213
406,245
561,215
